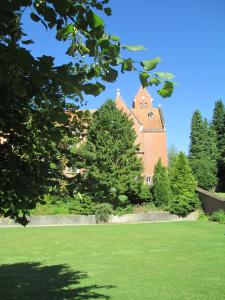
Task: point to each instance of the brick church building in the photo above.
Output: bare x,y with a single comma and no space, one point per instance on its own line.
150,128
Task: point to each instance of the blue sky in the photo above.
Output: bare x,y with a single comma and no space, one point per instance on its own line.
189,36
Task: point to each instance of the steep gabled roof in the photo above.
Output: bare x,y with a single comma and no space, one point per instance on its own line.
150,118
120,104
142,112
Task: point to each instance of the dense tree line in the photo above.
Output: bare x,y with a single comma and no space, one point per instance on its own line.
206,153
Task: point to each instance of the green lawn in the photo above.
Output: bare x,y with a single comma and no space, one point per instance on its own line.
180,260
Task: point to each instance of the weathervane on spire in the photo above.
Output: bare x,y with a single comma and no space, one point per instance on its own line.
117,92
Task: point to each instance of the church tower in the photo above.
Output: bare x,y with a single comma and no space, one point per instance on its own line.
149,125
142,99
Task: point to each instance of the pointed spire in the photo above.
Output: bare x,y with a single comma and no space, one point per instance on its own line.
142,99
117,92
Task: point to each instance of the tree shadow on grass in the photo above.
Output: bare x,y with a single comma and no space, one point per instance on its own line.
34,281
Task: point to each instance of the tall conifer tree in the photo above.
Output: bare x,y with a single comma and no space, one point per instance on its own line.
219,127
161,185
109,155
198,135
203,152
183,185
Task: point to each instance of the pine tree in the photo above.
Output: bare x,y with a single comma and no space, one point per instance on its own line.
183,185
111,165
218,123
203,152
198,135
161,185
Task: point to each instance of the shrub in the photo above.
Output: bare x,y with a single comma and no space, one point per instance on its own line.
161,185
81,204
119,211
218,216
103,212
144,194
182,205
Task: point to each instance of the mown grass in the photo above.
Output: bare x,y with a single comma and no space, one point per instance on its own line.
180,260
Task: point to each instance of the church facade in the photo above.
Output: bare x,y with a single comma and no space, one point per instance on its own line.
149,125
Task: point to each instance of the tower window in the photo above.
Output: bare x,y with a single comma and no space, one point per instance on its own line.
148,180
141,105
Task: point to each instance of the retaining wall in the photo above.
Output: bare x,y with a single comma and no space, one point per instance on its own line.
90,220
151,217
210,202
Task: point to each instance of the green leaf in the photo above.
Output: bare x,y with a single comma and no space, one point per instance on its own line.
127,65
112,51
144,79
62,7
165,75
94,20
93,88
115,38
35,17
49,14
103,42
83,49
108,11
91,45
64,32
155,81
166,90
111,75
134,47
150,64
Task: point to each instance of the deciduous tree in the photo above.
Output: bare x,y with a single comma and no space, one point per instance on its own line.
34,91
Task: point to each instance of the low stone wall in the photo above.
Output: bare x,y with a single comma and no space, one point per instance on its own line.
90,220
151,217
53,220
210,202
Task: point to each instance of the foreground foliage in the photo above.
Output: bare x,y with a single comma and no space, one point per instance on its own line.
34,91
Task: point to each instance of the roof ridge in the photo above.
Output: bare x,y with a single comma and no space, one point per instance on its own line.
120,97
